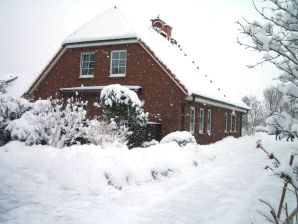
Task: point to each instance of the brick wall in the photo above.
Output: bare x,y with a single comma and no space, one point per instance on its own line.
162,97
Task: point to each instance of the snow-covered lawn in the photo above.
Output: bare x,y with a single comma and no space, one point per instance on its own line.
218,183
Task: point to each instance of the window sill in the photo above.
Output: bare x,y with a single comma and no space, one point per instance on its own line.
86,76
201,133
117,76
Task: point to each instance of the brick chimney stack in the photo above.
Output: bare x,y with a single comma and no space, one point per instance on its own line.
162,27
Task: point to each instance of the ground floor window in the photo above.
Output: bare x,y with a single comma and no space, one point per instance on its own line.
235,128
202,118
226,122
231,123
192,120
209,121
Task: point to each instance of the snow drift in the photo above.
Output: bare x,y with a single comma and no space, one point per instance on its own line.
92,168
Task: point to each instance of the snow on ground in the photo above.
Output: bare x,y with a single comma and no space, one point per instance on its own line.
40,184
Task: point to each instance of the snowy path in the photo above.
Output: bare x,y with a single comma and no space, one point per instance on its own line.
223,189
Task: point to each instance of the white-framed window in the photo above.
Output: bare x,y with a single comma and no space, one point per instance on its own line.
231,121
202,121
209,121
87,64
235,126
192,119
118,63
226,122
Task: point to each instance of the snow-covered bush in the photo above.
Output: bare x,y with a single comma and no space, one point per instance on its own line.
11,108
102,132
51,122
2,86
150,143
122,105
181,137
261,129
281,121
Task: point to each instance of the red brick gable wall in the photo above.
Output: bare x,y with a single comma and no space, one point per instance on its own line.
162,96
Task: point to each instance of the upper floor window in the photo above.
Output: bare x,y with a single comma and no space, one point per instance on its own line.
118,63
192,119
226,122
202,121
87,64
209,121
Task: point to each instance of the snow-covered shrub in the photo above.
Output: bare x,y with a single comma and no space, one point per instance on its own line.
2,86
102,132
51,122
181,137
11,108
261,129
281,121
150,143
122,105
294,128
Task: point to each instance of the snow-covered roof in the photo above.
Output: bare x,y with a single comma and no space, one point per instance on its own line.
113,25
109,25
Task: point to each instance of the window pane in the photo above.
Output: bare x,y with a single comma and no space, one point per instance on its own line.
85,65
86,57
123,54
84,71
115,70
115,55
90,71
122,62
92,57
115,63
121,70
91,65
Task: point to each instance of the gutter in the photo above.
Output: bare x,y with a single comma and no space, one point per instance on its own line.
206,100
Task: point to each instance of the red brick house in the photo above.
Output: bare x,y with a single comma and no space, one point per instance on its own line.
177,96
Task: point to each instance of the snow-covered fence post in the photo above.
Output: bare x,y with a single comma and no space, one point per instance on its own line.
284,190
288,178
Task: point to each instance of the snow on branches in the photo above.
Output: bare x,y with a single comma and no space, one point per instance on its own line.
276,36
50,122
122,105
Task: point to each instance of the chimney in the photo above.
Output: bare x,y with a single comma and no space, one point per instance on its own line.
164,29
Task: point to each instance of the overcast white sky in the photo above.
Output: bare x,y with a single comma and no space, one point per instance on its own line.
32,31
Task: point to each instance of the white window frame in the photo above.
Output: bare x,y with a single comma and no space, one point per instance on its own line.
226,122
111,64
209,120
81,65
192,120
202,121
235,123
231,122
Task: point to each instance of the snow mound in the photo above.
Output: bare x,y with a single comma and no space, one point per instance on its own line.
90,168
181,137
